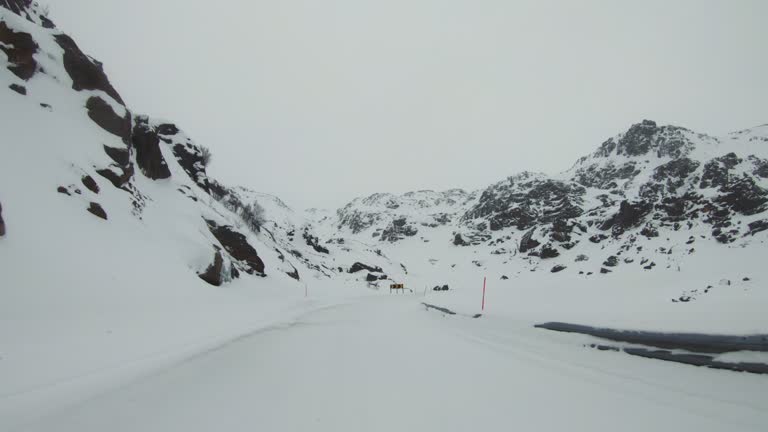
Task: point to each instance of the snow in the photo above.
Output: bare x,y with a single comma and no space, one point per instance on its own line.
104,325
382,364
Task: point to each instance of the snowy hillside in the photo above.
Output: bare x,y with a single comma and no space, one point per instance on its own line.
136,290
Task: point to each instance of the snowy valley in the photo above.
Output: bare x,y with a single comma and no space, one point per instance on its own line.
139,293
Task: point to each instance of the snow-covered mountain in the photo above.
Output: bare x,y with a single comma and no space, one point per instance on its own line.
122,170
621,205
645,197
120,258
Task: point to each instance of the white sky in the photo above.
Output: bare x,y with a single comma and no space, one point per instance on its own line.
321,101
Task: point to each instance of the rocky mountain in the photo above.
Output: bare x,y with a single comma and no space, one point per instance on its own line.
635,192
646,197
114,167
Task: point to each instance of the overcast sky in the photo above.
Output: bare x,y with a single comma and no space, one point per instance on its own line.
322,101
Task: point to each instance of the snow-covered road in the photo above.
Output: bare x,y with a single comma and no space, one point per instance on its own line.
387,364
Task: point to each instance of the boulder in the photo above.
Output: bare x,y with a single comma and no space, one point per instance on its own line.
149,157
549,252
214,273
558,268
90,183
458,240
527,242
96,210
358,266
20,48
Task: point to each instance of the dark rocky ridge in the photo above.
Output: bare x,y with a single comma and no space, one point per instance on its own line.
149,157
20,49
238,247
86,73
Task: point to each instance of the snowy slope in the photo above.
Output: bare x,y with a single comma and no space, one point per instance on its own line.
122,257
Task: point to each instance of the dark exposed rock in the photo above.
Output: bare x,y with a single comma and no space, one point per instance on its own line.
294,274
116,175
761,166
358,266
549,252
558,268
86,73
191,160
520,202
504,277
398,230
102,113
23,8
605,177
121,156
757,226
237,246
63,190
97,210
629,215
604,270
649,231
90,183
149,157
167,129
20,89
2,222
458,240
527,242
314,242
637,140
743,196
371,277
20,48
214,273
581,258
597,238
716,171
612,261
561,231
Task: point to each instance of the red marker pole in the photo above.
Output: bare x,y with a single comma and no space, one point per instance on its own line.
483,306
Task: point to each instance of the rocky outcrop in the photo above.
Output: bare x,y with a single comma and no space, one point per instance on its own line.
191,159
102,113
2,222
358,266
98,211
90,184
20,89
628,216
20,48
86,73
314,243
214,273
236,244
149,157
398,230
527,242
520,202
29,10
